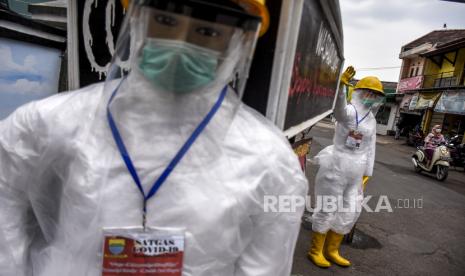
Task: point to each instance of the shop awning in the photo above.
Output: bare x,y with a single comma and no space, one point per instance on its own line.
451,102
426,100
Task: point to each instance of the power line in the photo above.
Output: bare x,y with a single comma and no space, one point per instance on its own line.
379,68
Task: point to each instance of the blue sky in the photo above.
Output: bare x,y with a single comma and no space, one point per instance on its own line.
375,30
27,72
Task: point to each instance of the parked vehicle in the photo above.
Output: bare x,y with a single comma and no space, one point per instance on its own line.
415,138
439,164
457,151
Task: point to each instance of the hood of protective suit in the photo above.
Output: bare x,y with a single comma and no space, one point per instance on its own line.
365,100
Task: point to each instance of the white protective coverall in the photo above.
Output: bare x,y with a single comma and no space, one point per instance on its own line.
62,178
342,168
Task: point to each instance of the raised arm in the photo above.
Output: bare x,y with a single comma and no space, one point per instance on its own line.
340,108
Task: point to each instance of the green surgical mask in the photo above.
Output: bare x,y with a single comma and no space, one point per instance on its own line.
369,102
178,66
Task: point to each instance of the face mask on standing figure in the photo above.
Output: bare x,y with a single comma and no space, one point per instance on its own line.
176,66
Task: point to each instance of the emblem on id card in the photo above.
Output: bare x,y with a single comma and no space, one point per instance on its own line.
142,253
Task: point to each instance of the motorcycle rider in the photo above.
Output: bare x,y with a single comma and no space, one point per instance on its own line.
432,140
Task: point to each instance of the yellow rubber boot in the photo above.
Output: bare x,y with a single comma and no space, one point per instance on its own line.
316,251
331,250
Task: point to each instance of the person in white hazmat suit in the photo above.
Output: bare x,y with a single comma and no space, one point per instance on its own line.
345,168
163,159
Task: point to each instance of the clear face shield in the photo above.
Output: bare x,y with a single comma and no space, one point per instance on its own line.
186,46
173,89
365,99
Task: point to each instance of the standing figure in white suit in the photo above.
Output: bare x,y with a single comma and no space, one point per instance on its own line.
165,155
344,166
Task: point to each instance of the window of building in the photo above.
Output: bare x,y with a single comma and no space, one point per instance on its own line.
411,71
382,117
416,71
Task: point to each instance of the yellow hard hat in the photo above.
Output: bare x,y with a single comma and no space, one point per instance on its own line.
372,83
254,7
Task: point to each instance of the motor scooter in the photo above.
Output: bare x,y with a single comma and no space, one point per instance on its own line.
439,164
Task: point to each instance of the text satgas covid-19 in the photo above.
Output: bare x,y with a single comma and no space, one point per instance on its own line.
154,247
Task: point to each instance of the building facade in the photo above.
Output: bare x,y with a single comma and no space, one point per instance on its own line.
431,86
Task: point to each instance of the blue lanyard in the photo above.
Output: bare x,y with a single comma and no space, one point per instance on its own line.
181,153
357,122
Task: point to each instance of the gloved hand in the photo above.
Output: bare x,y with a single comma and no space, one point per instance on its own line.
348,74
365,181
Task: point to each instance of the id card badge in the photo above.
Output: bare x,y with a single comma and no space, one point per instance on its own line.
135,251
354,139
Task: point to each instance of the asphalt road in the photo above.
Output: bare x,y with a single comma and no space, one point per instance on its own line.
427,238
